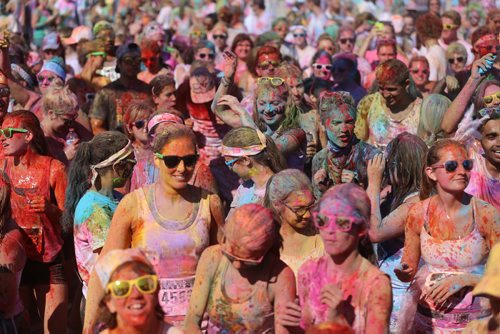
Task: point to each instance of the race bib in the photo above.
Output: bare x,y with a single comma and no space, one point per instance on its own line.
175,294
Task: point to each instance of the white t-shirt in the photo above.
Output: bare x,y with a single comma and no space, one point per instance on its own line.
437,62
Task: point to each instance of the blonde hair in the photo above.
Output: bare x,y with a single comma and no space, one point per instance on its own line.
431,115
59,99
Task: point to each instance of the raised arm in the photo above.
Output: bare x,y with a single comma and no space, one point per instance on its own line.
221,105
119,237
456,111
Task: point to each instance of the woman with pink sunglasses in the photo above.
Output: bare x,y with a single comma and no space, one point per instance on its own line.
341,286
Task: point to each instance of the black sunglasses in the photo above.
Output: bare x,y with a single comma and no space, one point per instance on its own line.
456,60
4,92
345,40
139,124
172,161
220,36
452,165
206,55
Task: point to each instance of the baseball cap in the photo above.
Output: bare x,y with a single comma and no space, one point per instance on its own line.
51,41
128,48
78,33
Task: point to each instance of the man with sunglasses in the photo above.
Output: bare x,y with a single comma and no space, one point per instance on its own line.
110,102
451,24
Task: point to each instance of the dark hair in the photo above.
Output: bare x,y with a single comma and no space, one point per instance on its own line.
245,136
454,16
478,33
160,82
428,187
31,123
429,26
405,159
5,209
260,3
386,42
319,54
101,147
105,315
241,38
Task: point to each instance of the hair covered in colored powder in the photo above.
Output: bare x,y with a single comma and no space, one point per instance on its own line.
329,328
332,101
251,227
346,195
392,71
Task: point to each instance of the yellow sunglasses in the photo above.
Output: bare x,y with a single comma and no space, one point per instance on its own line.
449,26
146,284
276,81
490,99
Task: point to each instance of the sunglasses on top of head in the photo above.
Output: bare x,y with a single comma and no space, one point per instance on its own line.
172,161
452,165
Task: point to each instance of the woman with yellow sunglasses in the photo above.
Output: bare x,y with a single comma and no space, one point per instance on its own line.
131,301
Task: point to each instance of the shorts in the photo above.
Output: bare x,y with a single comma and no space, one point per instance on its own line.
41,273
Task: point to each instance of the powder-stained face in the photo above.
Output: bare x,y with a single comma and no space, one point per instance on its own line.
151,59
271,107
47,79
296,86
166,95
136,309
490,96
108,37
491,141
322,67
267,64
296,209
339,227
419,72
455,181
18,144
340,126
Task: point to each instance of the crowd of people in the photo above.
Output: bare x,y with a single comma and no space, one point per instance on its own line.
249,166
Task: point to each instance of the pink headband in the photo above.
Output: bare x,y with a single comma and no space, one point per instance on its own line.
163,118
247,150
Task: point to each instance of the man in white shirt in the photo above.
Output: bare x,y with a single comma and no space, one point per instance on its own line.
451,24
